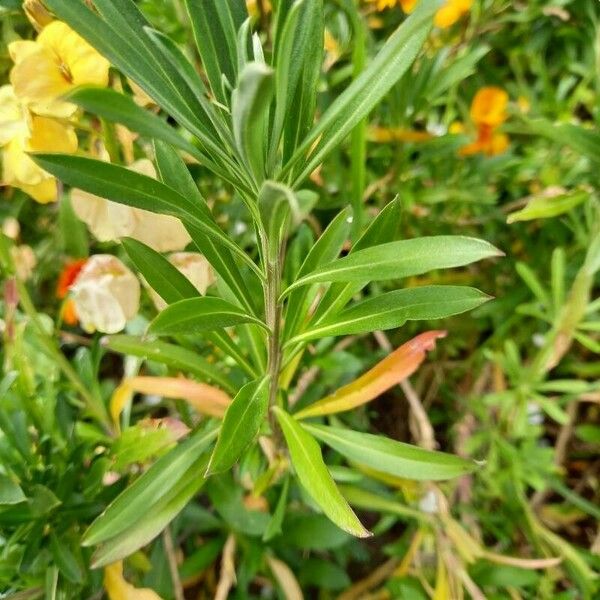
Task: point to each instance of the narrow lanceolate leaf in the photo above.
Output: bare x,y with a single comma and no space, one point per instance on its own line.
174,173
133,189
240,425
549,203
315,478
393,309
366,91
404,258
399,365
196,315
215,24
152,518
119,108
167,281
136,501
390,456
173,356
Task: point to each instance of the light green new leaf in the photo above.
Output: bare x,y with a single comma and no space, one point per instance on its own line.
135,502
250,102
315,478
196,315
404,258
240,426
367,90
544,206
390,456
170,355
278,208
10,492
153,518
393,309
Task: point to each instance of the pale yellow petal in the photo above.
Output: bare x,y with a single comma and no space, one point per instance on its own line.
43,192
14,121
17,166
21,49
49,135
39,82
82,63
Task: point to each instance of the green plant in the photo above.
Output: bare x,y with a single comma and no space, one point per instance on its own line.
253,127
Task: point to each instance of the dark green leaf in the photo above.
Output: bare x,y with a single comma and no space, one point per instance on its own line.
196,315
167,281
137,500
315,478
326,248
393,309
392,457
133,189
401,259
215,24
240,426
357,101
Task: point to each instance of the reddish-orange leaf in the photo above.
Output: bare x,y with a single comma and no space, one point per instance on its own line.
396,367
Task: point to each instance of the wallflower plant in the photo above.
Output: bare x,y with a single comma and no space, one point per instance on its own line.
252,122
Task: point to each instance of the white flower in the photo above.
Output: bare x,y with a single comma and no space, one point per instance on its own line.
195,267
106,294
110,221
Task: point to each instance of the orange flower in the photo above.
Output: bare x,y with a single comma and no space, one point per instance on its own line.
66,279
445,17
451,12
488,112
489,106
68,276
408,5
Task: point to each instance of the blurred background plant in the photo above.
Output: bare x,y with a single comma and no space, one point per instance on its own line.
493,133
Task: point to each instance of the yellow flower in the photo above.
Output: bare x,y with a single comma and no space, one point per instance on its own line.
445,17
20,133
52,65
252,7
406,5
118,588
451,12
110,221
106,294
